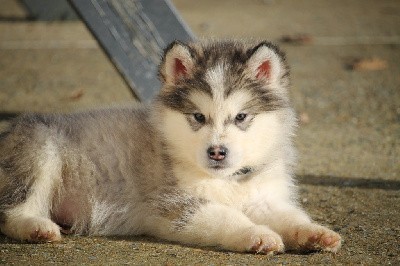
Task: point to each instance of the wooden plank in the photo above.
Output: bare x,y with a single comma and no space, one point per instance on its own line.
133,33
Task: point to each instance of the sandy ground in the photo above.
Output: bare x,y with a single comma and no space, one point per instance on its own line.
349,139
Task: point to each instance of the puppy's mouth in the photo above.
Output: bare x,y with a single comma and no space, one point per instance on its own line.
218,165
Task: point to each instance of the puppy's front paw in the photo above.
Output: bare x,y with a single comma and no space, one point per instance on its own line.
266,244
317,237
258,239
32,229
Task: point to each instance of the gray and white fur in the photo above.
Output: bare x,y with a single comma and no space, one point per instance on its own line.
209,162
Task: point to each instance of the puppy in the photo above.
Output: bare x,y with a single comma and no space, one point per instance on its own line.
209,162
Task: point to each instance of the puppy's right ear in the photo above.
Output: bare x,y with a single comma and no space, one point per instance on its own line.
177,63
267,63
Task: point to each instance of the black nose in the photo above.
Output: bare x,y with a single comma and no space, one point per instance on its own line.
217,153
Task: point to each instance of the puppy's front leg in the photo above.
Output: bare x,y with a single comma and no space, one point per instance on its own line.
193,221
297,230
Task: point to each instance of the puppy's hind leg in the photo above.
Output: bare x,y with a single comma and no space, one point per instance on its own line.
30,219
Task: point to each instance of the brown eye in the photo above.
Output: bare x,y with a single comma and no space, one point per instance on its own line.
199,117
240,117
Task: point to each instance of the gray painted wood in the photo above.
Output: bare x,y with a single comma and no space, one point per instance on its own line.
134,33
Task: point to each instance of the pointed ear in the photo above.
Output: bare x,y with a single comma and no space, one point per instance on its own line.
177,63
266,63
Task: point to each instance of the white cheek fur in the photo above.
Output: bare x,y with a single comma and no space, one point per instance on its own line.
185,142
265,132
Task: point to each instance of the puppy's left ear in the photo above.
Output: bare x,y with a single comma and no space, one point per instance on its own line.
267,63
177,63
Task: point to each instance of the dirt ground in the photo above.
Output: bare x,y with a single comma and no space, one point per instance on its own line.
348,140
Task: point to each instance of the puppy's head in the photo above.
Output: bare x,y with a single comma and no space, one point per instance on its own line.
223,106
